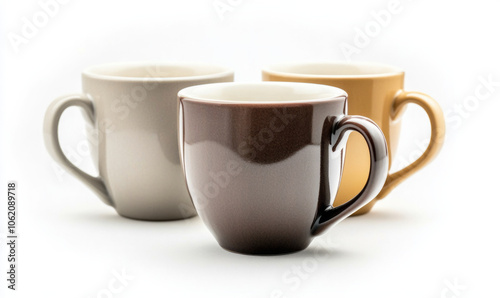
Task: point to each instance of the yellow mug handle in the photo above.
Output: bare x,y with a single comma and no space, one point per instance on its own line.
438,129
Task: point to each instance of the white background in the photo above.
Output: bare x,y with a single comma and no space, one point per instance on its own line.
436,235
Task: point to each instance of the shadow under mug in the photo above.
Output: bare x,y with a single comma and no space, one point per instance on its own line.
131,113
263,161
375,91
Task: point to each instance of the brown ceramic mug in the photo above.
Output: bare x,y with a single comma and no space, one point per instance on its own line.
262,161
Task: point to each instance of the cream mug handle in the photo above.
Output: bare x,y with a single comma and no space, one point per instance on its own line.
51,138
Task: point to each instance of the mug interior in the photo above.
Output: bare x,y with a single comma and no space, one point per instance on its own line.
263,92
159,71
333,69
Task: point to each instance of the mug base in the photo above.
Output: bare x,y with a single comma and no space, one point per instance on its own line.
261,251
156,217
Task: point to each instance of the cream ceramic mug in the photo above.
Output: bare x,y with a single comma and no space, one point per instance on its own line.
132,109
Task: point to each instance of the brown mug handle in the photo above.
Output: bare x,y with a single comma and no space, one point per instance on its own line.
438,129
327,215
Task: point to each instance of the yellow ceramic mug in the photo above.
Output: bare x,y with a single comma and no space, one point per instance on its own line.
374,91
